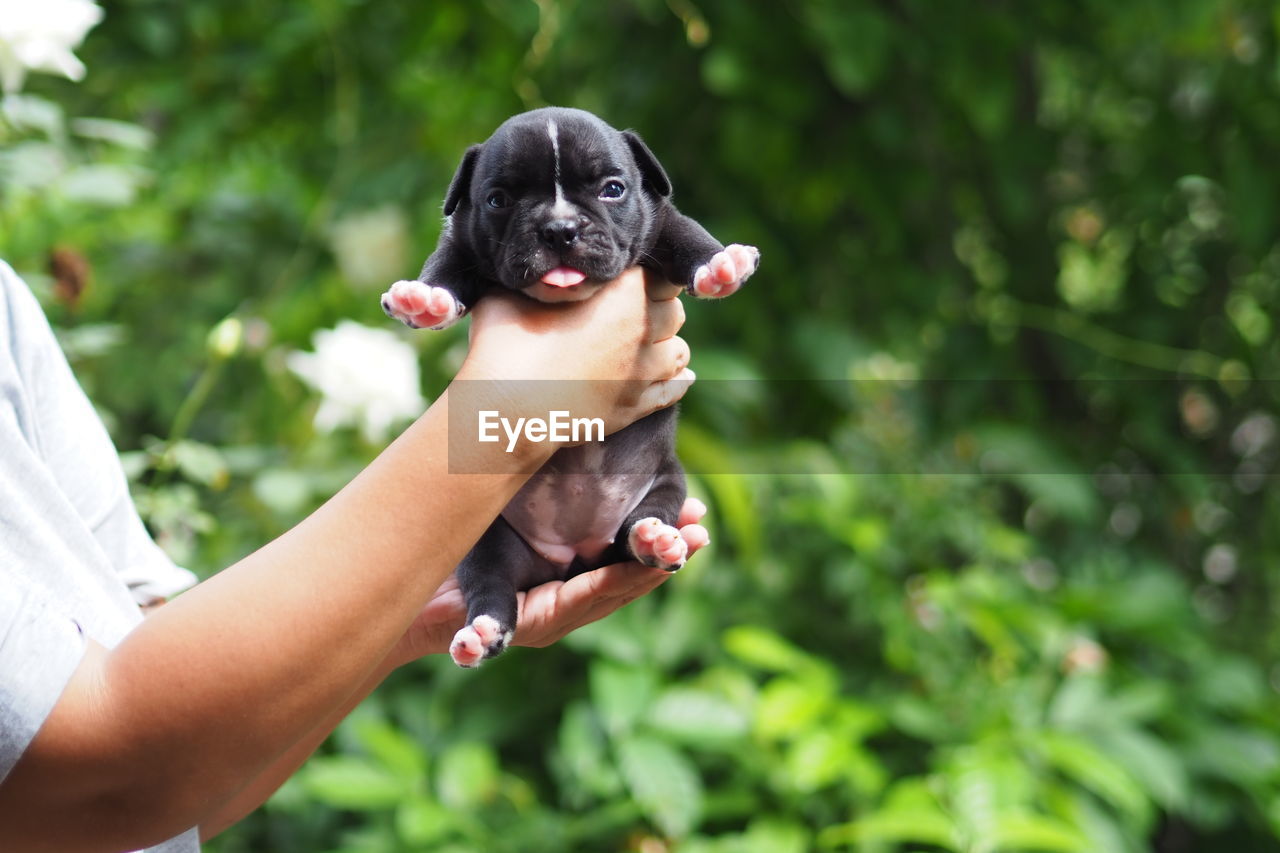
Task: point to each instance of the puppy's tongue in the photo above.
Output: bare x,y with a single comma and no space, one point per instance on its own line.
563,277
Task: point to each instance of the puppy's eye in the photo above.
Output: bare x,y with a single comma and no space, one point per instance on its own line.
613,190
498,200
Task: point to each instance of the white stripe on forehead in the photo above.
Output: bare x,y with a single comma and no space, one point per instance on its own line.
562,209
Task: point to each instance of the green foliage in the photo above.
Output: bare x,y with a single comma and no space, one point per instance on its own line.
989,470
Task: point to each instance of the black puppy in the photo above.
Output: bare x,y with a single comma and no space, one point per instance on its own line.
553,205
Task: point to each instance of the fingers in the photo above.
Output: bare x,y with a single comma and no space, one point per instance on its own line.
648,580
666,317
668,358
692,512
551,610
665,359
659,395
695,536
659,289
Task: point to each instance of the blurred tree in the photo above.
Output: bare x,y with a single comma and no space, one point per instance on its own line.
990,465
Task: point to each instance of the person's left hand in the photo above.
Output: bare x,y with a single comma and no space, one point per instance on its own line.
552,610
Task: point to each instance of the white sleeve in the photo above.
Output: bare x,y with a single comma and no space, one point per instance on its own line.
70,437
39,650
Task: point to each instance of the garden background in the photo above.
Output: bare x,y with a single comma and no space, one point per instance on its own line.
990,468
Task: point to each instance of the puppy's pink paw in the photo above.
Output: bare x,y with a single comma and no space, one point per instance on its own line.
657,544
483,638
726,271
421,306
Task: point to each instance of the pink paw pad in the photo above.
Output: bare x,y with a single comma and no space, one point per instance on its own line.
421,306
726,271
483,638
657,544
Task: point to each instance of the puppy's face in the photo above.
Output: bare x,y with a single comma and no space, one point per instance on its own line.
556,202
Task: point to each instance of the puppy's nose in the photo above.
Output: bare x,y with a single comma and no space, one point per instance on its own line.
560,233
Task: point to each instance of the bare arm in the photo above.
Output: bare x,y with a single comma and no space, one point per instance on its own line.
154,736
547,613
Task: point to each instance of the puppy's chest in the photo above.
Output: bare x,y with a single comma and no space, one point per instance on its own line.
575,504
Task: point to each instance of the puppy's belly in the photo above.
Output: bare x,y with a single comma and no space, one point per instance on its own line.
564,514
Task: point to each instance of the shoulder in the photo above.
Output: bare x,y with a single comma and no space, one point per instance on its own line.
11,286
20,313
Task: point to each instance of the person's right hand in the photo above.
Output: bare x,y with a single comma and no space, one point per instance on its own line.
615,355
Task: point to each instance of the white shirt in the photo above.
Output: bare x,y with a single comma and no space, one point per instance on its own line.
75,559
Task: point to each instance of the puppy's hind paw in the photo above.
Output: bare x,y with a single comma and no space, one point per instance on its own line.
421,306
483,638
657,544
725,272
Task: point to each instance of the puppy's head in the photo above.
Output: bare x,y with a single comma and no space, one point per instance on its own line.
556,203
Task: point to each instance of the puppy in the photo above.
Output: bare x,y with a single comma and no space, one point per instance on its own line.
553,205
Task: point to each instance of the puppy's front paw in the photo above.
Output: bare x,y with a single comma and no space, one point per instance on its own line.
483,638
421,306
657,544
725,272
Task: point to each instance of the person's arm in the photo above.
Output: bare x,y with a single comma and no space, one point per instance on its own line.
154,736
547,613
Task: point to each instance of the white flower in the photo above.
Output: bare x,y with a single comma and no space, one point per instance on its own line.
38,35
366,377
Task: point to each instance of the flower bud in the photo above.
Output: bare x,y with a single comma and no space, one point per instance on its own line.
225,339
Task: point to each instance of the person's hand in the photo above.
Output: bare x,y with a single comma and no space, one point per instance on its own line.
615,355
552,610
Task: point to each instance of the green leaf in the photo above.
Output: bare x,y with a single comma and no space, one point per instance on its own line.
764,649
31,165
103,184
1106,831
910,813
1152,762
582,753
788,707
732,503
724,72
1082,762
663,783
393,749
284,492
32,112
91,341
1080,700
770,835
422,821
621,693
893,827
697,717
122,133
816,759
467,775
1231,683
1026,832
855,41
1045,473
763,835
918,717
1242,756
200,463
348,782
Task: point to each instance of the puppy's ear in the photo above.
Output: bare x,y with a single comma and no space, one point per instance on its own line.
655,179
461,184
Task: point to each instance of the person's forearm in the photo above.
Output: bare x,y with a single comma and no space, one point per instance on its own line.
219,684
265,783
